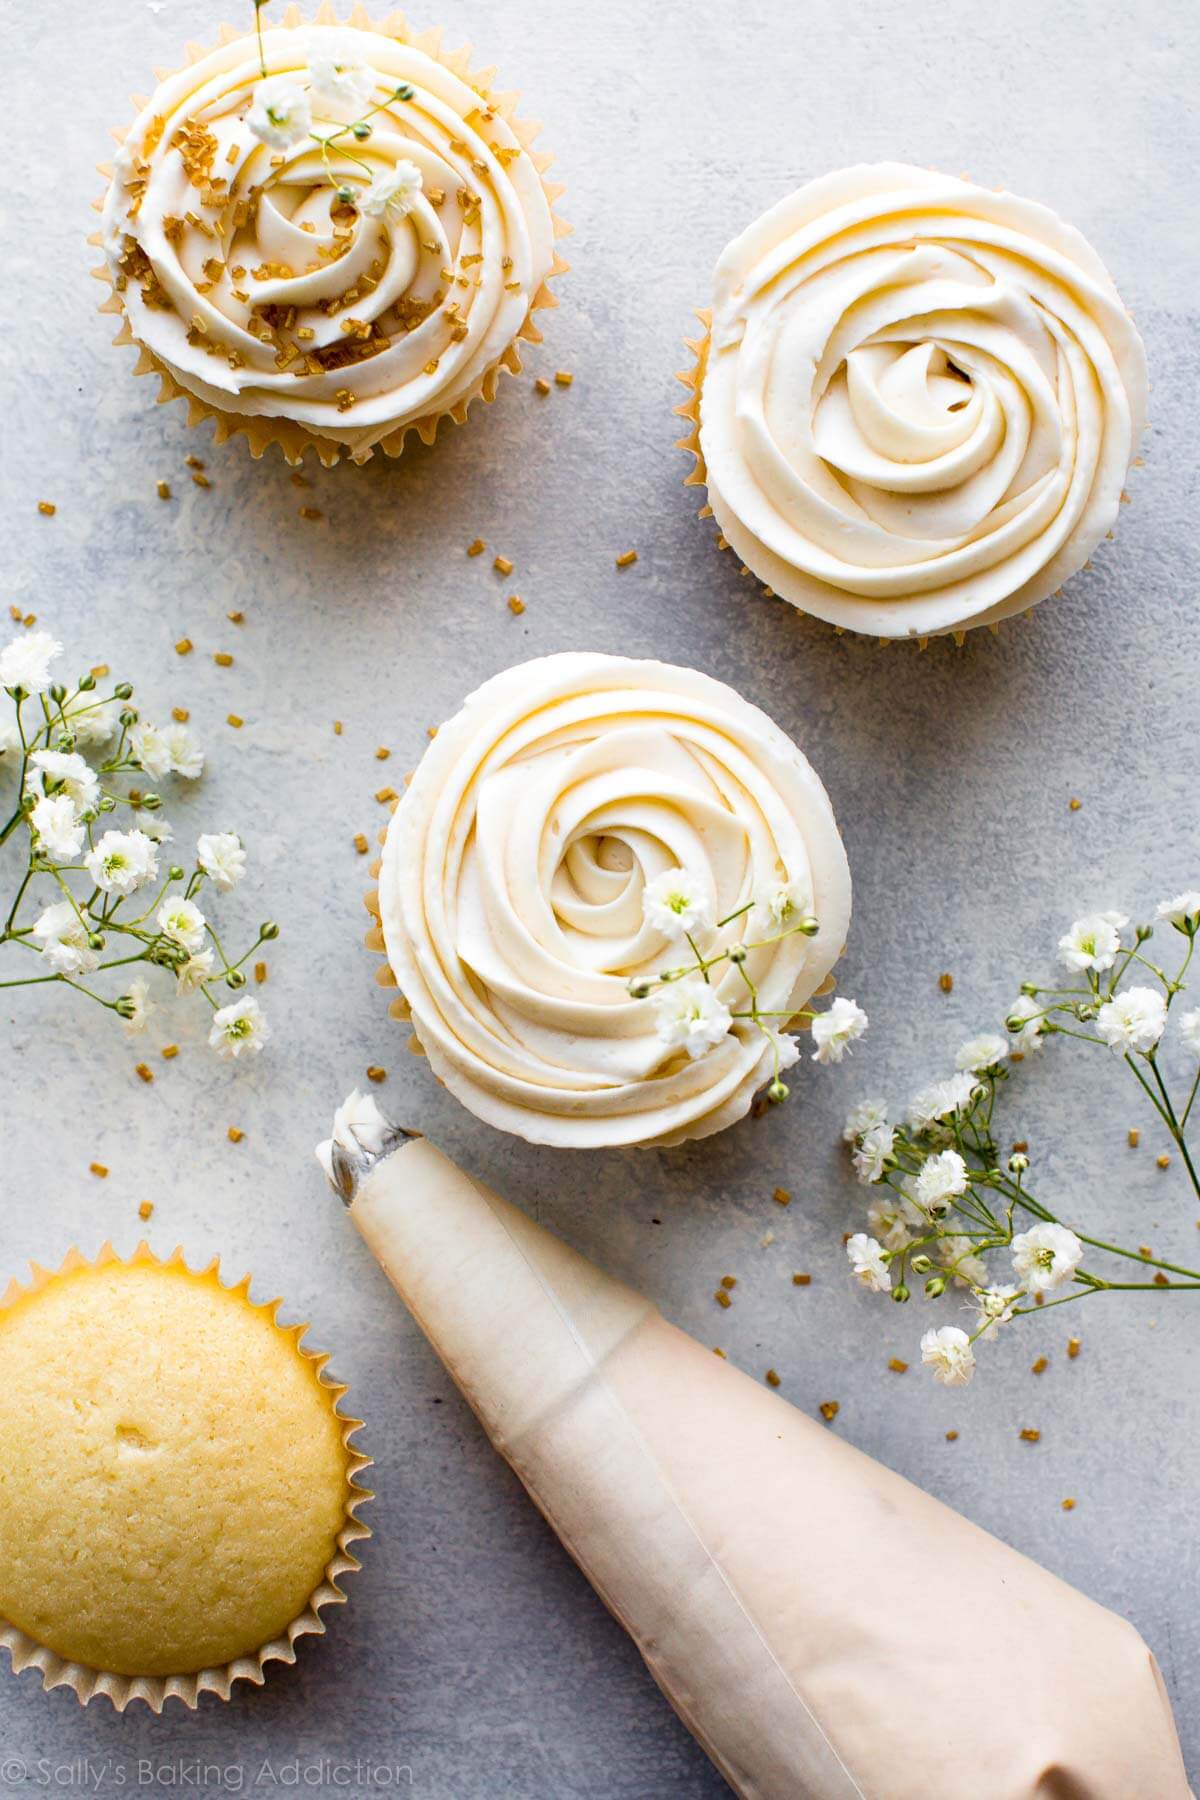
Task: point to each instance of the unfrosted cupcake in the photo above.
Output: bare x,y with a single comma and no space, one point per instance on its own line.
177,1486
329,235
915,401
585,823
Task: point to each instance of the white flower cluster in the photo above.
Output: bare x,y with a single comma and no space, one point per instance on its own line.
944,1196
61,801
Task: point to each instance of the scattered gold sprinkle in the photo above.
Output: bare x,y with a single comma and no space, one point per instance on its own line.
170,1051
47,508
722,1298
1031,1435
29,619
260,972
1161,1280
1068,1505
1075,804
201,480
563,377
1163,1161
235,1135
194,462
382,753
502,566
729,1281
1020,1146
144,1071
337,728
476,547
801,1280
897,1366
235,719
311,512
515,604
375,1073
360,843
951,1437
1040,1366
235,618
180,714
782,1197
1073,1348
946,982
626,559
1135,1137
222,659
720,1353
99,671
771,1378
145,1209
542,385
98,1170
163,489
829,1409
184,647
384,795
1145,1250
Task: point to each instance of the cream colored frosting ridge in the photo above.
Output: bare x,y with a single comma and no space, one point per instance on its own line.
920,401
511,894
264,294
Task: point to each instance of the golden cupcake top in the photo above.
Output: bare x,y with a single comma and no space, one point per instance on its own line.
329,225
174,1478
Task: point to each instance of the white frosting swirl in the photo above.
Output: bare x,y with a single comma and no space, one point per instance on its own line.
920,401
512,881
264,294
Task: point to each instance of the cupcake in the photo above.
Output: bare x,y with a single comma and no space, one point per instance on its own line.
915,401
575,843
177,1487
329,235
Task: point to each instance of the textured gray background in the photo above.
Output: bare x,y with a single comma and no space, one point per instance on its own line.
472,1650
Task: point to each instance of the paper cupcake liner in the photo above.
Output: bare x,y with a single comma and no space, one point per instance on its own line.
294,439
88,1683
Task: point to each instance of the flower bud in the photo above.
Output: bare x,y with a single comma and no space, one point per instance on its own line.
935,1287
1029,989
86,683
920,1264
1142,932
1087,1011
126,1006
639,990
123,691
268,931
235,979
361,130
900,1293
151,802
95,941
58,693
807,927
778,1091
737,955
107,803
404,92
1018,1164
128,717
175,873
66,741
346,196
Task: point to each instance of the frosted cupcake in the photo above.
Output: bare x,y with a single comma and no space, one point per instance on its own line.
915,402
584,826
329,235
177,1487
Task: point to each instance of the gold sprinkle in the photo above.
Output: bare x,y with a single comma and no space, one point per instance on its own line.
782,1196
1040,1366
385,794
184,647
145,1209
194,462
201,480
1031,1435
337,728
720,1353
829,1409
1164,1161
502,566
235,1135
260,972
222,659
801,1280
180,714
170,1052
1020,1147
626,559
771,1378
563,377
47,508
235,720
1068,1505
515,604
144,1072
1161,1280
29,619
721,1296
729,1281
476,547
382,754
99,671
1073,1348
1145,1250
98,1170
542,385
360,843
946,982
163,489
232,154
951,1437
897,1367
375,1073
235,618
1135,1137
1074,803
311,512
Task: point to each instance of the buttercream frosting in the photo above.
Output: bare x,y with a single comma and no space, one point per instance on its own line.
511,894
355,286
919,401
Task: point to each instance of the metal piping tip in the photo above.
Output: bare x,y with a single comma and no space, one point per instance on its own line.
361,1137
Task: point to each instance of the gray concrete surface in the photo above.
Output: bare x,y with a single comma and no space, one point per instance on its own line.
472,1652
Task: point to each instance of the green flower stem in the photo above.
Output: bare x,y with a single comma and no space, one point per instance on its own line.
1173,1125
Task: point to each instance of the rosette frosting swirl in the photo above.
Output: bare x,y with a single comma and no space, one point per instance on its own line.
351,243
511,895
919,401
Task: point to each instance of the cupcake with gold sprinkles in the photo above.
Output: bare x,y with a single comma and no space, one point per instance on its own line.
178,1489
329,234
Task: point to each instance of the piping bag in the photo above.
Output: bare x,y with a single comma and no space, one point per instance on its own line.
823,1628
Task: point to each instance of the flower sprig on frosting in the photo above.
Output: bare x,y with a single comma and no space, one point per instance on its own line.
87,887
689,1013
946,1199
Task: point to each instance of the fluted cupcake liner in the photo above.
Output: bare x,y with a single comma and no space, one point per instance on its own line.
293,439
155,1690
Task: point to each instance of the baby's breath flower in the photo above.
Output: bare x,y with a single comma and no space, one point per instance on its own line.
1133,1020
183,922
156,828
62,938
395,194
778,909
690,1017
148,748
995,1306
1046,1256
221,856
25,662
1189,1030
947,1351
958,1257
341,85
1027,1022
677,904
979,1053
68,771
58,828
239,1029
939,1181
194,972
122,862
1183,911
868,1263
90,720
138,1006
281,113
863,1117
1093,941
835,1030
186,759
871,1153
890,1218
939,1100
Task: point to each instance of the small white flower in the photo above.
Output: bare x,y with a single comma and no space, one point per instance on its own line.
68,771
1134,1020
958,1256
1093,941
156,828
890,1220
690,1016
281,114
62,938
863,1117
136,994
939,1181
393,195
25,662
194,972
1046,1256
186,759
358,1128
92,721
1189,1030
867,1261
1183,911
871,1153
985,1052
995,1306
239,1028
677,904
60,834
777,910
148,746
182,922
221,856
340,84
1027,1022
940,1099
122,862
947,1351
836,1029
